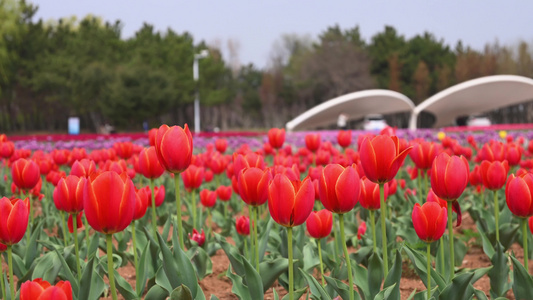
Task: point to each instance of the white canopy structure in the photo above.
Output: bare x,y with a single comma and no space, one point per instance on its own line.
355,105
475,96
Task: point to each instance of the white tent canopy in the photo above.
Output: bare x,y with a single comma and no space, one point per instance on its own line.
355,105
475,96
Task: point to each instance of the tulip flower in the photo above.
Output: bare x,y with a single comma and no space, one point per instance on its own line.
61,156
494,175
173,146
242,225
276,137
83,168
344,138
319,225
198,237
449,177
221,145
109,203
423,155
25,174
13,223
68,197
7,149
339,188
429,221
361,230
381,159
192,178
370,199
150,168
39,289
289,203
123,149
312,141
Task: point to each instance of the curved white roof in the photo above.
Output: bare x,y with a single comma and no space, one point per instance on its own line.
355,105
475,96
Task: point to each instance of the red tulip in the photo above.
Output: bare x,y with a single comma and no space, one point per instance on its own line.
494,174
217,163
109,202
519,195
123,149
429,221
312,141
250,160
173,147
243,225
224,193
369,197
449,176
7,149
208,198
45,165
513,154
531,224
68,194
319,224
221,145
149,165
361,230
381,158
339,188
83,168
13,220
61,156
322,157
475,176
25,173
53,177
443,203
253,186
142,200
492,151
344,138
290,202
198,237
77,154
423,154
193,177
276,137
39,289
70,224
152,134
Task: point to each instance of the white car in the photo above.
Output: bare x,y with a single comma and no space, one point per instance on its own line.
374,122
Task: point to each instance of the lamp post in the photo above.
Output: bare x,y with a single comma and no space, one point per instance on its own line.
196,74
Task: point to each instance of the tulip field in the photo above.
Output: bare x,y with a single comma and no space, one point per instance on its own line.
348,215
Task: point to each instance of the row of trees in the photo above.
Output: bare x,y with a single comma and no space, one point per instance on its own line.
52,70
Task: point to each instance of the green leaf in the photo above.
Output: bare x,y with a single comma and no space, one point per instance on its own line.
200,261
270,271
361,280
124,287
68,274
141,276
253,280
213,297
522,281
181,293
263,240
297,294
92,284
487,245
232,253
394,277
386,293
317,291
47,267
31,249
178,268
458,289
480,295
156,293
341,288
238,288
420,264
310,257
375,275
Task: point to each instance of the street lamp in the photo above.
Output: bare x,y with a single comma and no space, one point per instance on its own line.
203,54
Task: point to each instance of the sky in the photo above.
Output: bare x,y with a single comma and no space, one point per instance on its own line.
256,25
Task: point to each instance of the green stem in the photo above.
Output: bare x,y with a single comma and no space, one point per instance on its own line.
134,241
441,242
450,234
65,236
154,220
496,215
321,265
252,239
178,208
256,211
524,234
110,268
210,224
336,237
246,253
225,209
2,279
383,208
193,207
426,190
429,270
419,180
10,266
291,276
30,225
86,232
348,263
373,224
483,200
76,247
